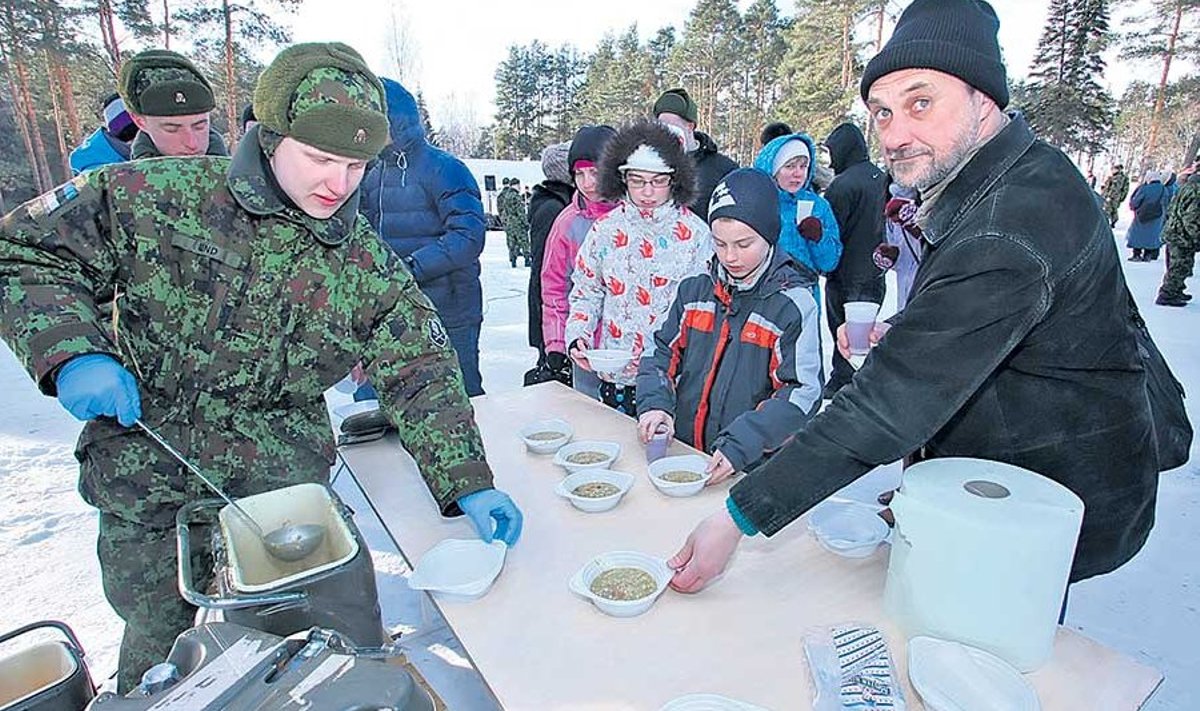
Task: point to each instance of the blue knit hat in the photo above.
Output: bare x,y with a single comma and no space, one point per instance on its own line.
957,37
748,195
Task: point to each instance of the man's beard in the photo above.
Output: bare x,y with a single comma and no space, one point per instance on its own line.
940,169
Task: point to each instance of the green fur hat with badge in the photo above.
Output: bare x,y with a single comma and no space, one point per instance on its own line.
159,82
323,95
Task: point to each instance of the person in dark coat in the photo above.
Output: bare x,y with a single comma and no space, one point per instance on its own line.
857,195
772,131
549,198
1149,205
425,204
1016,344
676,108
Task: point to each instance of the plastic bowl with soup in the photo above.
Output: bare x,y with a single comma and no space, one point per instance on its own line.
546,436
622,583
682,475
587,454
594,490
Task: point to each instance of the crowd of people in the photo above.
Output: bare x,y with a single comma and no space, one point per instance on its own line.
217,298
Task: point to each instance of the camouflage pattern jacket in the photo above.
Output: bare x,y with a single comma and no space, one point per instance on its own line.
1183,216
511,207
1116,187
235,312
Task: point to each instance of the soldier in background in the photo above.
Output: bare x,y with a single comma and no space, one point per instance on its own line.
1116,187
513,215
244,289
170,100
1182,237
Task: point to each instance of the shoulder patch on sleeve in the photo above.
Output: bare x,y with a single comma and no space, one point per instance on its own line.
46,204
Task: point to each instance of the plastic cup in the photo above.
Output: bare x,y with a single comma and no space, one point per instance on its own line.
860,321
656,448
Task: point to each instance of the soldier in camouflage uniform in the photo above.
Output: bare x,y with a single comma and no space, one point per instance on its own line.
170,100
244,288
1182,237
515,219
1116,187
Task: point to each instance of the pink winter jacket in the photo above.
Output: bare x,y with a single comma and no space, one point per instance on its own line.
558,261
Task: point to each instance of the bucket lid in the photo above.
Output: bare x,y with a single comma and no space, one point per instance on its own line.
951,676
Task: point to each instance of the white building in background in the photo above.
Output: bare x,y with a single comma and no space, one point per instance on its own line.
490,175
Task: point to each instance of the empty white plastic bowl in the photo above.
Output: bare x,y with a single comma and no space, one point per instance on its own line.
546,446
609,361
581,583
683,462
956,677
850,529
567,485
611,449
459,569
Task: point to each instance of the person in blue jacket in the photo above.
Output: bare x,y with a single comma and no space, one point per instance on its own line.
425,204
110,142
809,230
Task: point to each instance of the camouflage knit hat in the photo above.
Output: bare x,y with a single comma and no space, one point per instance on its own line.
159,82
323,95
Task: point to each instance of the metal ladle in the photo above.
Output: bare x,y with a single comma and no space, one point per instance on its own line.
287,543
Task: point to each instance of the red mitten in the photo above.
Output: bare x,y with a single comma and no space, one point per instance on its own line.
903,212
885,256
811,229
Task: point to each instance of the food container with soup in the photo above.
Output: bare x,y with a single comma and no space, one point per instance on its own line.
546,436
594,490
587,454
622,583
683,475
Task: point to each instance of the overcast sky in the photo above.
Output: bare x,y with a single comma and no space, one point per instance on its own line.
459,43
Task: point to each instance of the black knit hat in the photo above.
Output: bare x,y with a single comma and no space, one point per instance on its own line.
957,37
588,143
748,195
677,101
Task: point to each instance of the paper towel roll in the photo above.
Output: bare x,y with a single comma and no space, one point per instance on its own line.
981,555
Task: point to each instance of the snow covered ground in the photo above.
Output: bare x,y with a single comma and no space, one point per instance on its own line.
1147,609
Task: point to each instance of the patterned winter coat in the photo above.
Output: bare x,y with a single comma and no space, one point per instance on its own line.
627,272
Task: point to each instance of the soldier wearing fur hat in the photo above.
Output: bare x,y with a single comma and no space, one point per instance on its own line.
170,100
633,259
244,288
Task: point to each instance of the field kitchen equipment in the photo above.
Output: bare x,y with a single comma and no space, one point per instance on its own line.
289,542
226,667
332,588
48,676
981,554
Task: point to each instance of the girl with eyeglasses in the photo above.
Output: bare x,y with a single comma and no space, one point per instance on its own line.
631,263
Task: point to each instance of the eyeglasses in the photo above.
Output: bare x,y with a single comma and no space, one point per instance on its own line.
634,182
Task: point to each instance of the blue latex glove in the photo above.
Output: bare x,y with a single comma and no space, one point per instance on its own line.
94,385
482,507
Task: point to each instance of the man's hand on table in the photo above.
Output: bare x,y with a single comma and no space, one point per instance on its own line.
488,505
705,553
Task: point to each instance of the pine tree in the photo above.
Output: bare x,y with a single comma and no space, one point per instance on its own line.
427,124
1167,31
1063,100
705,60
822,64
